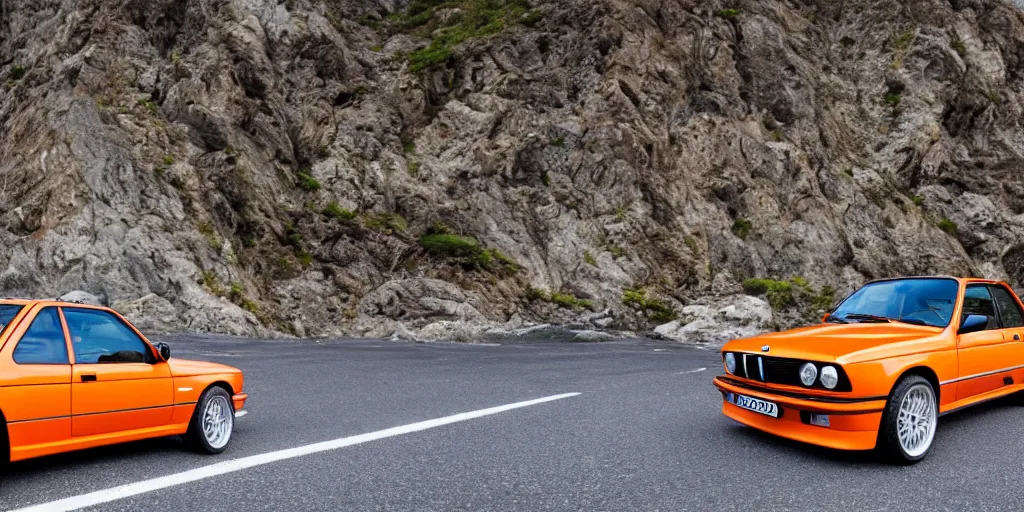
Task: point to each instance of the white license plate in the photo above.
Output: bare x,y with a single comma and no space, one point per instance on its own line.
754,404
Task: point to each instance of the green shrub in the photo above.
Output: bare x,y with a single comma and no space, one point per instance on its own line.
413,168
902,42
17,72
616,251
387,222
892,99
148,105
727,13
741,227
958,46
210,233
653,308
589,258
567,300
307,182
948,226
848,171
168,159
474,19
918,200
777,135
558,142
779,293
453,246
409,146
334,211
304,257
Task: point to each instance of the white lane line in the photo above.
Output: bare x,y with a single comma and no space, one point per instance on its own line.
230,466
698,370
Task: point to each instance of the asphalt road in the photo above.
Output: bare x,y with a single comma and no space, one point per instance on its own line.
645,433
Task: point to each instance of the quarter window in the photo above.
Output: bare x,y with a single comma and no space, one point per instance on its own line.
1009,310
100,337
43,342
978,301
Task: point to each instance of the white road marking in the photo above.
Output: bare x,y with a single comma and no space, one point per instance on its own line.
230,466
698,370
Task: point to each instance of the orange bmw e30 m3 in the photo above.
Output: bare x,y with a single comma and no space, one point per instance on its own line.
881,367
75,376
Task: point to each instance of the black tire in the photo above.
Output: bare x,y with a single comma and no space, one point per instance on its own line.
198,438
889,445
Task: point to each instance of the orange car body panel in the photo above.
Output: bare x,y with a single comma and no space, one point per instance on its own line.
55,408
970,368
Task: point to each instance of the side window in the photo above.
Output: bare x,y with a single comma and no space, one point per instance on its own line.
43,342
978,301
1009,310
100,337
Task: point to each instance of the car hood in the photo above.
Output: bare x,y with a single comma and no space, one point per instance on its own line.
185,367
843,343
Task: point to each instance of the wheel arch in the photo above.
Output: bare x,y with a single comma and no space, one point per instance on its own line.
925,372
220,384
5,440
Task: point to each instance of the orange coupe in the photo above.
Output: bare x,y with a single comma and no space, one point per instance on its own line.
881,367
74,376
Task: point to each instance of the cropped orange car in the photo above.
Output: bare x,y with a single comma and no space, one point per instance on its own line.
75,376
881,367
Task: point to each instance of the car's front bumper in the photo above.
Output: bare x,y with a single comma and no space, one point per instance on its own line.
853,424
239,402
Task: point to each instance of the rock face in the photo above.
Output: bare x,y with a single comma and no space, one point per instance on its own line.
252,166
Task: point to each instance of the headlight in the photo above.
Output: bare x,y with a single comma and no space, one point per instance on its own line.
808,373
829,377
730,362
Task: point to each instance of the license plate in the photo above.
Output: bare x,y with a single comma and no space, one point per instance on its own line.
754,404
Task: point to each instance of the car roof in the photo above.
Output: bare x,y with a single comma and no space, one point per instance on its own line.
47,302
962,279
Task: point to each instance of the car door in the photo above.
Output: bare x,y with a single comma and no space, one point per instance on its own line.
35,381
117,383
986,356
1011,319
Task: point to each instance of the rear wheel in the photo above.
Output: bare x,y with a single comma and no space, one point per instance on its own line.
212,422
909,421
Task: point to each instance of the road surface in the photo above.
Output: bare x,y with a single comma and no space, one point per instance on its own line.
643,433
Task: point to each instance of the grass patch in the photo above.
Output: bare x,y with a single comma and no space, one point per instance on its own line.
589,258
147,104
947,225
902,42
304,257
334,211
777,135
307,182
558,142
168,160
653,308
892,99
409,146
727,13
17,72
413,167
568,300
466,250
779,293
471,19
237,295
210,281
741,227
958,46
208,231
848,171
387,222
691,243
918,200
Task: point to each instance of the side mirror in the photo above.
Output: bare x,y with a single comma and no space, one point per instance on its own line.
825,317
164,349
973,323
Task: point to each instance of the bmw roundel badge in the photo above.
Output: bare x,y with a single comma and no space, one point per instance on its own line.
765,348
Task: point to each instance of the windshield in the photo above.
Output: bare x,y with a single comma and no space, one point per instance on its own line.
7,313
917,301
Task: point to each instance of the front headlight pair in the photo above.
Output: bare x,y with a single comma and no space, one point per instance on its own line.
809,373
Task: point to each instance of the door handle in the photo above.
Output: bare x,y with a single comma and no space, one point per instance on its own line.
1016,337
88,377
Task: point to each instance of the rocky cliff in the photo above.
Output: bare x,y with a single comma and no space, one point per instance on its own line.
366,166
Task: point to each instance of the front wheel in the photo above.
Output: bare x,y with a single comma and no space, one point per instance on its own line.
909,421
212,422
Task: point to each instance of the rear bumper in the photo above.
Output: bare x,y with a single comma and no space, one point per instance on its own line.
853,425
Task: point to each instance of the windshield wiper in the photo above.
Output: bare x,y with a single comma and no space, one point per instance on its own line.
836,319
876,318
867,317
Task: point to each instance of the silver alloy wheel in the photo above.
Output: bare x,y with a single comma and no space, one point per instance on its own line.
915,425
218,420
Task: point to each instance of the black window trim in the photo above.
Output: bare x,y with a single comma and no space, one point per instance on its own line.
150,358
999,314
21,309
63,333
995,307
